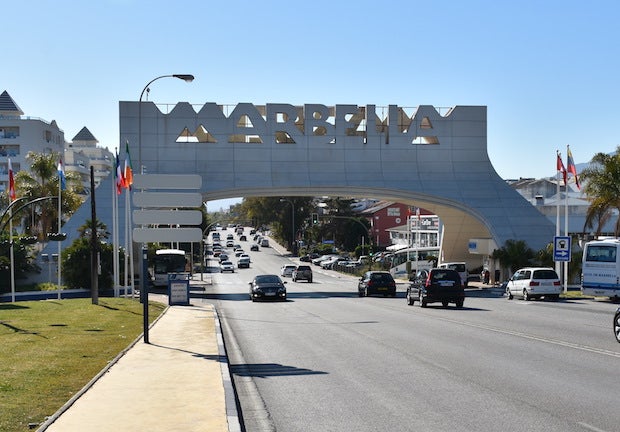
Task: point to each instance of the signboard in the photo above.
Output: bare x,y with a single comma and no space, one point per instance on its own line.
167,235
159,208
561,248
178,289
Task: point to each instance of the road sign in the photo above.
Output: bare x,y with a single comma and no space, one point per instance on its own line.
167,235
159,208
561,248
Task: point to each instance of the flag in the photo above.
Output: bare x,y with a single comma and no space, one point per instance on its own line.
11,183
571,166
561,168
61,176
128,168
120,180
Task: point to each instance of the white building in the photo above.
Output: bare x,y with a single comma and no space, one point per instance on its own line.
20,134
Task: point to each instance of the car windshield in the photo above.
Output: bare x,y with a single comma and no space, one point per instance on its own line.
267,279
545,274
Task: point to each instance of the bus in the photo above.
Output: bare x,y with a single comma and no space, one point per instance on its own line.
600,274
167,261
419,258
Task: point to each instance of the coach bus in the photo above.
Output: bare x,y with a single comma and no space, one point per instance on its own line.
167,261
600,274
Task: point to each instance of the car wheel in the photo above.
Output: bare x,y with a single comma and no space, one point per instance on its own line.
459,304
422,301
444,303
526,295
360,293
617,326
509,294
366,292
310,280
410,300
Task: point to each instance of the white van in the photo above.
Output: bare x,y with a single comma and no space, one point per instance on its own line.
264,242
600,268
460,267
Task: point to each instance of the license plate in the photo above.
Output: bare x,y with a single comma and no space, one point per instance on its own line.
383,289
270,294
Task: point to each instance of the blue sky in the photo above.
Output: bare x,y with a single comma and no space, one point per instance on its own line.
546,70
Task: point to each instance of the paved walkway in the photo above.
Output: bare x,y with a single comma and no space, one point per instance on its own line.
178,382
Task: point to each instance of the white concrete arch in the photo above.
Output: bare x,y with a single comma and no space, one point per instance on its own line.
417,156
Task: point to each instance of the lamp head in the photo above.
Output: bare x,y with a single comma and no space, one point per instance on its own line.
184,77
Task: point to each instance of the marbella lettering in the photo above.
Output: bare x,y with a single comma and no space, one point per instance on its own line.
315,123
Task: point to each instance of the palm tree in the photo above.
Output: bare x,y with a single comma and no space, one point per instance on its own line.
602,187
514,255
42,181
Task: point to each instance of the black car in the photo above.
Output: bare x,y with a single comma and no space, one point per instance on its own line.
267,287
436,285
302,272
617,324
376,282
254,247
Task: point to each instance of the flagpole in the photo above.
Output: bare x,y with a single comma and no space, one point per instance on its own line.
566,225
128,178
115,231
557,205
12,256
59,224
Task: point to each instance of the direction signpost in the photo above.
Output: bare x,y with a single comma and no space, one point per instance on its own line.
561,248
167,214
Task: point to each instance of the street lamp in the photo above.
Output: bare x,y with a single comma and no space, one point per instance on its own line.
144,267
293,242
184,77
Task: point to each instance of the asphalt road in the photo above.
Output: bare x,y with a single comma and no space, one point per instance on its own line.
328,360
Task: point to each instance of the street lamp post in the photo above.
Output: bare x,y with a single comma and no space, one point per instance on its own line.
293,242
144,267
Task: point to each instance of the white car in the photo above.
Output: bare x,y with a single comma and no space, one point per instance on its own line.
287,270
534,282
227,266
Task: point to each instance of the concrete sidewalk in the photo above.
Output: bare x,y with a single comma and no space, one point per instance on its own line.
178,382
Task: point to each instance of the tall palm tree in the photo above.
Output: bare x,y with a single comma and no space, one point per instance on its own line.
514,255
42,181
602,187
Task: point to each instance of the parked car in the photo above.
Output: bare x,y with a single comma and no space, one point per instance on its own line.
309,257
436,285
534,282
227,266
302,272
376,282
617,325
287,270
269,287
318,260
329,264
243,262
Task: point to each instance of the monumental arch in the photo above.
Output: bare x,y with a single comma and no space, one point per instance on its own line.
418,156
